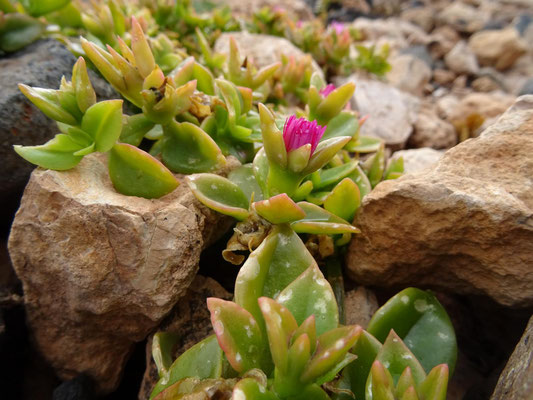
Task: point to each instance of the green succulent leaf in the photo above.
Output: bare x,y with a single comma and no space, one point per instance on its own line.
361,180
436,384
47,100
238,334
244,178
336,369
279,260
375,166
330,176
18,31
344,124
136,173
344,199
324,152
364,144
37,8
260,167
280,324
134,127
395,169
320,221
354,376
333,104
395,355
103,122
56,154
314,392
279,209
311,294
380,384
204,360
333,345
188,149
423,324
220,194
250,389
162,345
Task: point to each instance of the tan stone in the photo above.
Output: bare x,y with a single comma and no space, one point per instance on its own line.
190,320
443,76
359,306
464,225
488,105
462,17
99,269
461,59
498,48
263,49
432,131
409,73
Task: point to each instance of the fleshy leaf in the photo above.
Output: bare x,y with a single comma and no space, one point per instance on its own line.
47,101
280,324
244,178
204,360
311,294
220,194
361,180
344,199
134,128
270,268
250,389
325,152
354,376
436,384
162,344
188,149
37,8
364,144
423,324
279,209
375,166
237,333
380,385
332,348
395,169
327,177
56,154
395,355
136,173
344,124
332,373
334,102
103,122
18,31
319,221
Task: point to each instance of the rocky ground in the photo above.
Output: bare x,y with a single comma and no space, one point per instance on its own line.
459,222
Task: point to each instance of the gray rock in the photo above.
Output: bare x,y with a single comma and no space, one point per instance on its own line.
421,52
527,88
498,48
463,17
299,8
42,64
522,23
391,112
516,380
464,225
409,73
461,59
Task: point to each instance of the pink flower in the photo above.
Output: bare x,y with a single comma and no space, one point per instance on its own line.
298,132
338,26
327,90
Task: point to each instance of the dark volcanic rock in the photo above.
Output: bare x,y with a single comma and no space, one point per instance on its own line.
41,64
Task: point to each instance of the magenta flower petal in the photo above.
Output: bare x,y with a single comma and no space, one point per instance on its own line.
298,132
327,90
338,26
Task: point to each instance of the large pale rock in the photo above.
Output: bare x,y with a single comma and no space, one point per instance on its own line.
415,160
498,48
465,225
391,112
190,320
263,49
516,380
394,31
409,73
99,269
299,8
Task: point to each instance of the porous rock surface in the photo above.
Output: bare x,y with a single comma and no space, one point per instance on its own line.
99,269
516,380
41,64
464,225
